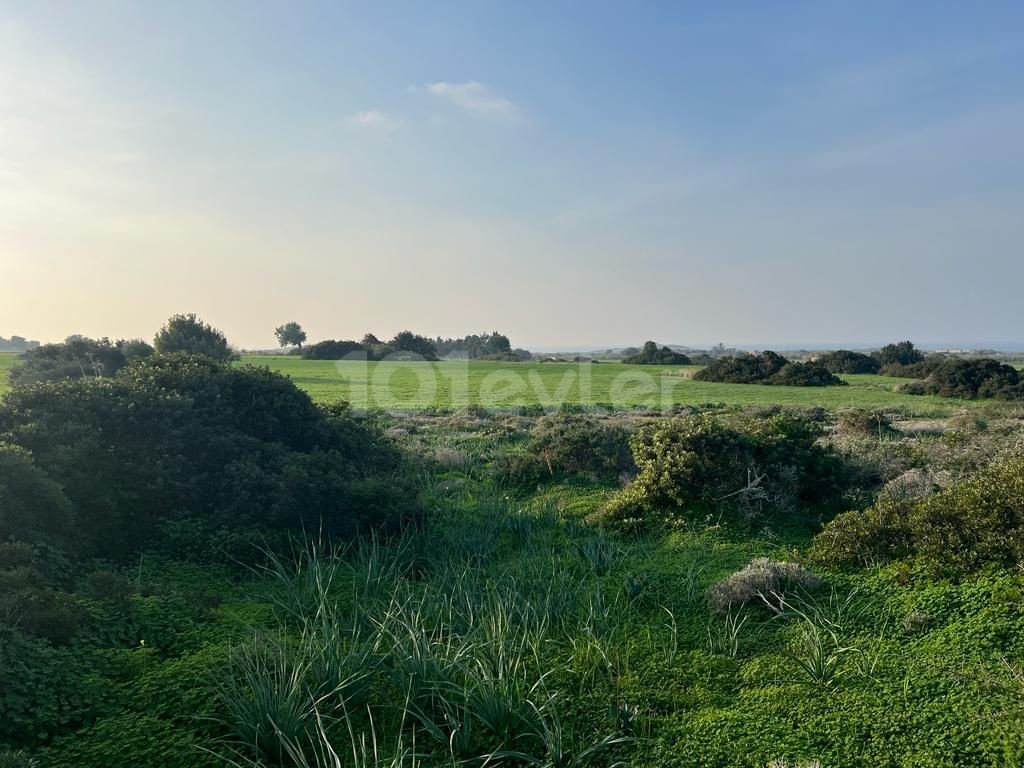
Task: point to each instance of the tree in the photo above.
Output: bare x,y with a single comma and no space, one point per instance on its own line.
189,334
407,341
902,353
76,357
290,335
651,354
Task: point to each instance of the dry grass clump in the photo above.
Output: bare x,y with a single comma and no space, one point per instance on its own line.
764,581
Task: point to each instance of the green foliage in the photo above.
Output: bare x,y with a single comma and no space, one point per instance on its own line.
767,368
205,455
651,354
414,344
33,508
976,523
900,353
578,443
133,738
970,379
290,335
475,346
847,361
332,350
77,357
695,465
189,335
44,690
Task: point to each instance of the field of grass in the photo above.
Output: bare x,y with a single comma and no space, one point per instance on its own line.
405,385
402,385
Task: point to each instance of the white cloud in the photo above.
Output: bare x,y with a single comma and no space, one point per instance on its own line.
374,118
473,97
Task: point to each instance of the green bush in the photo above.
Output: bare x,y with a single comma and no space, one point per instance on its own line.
192,456
973,524
578,443
755,465
651,354
970,379
767,368
847,361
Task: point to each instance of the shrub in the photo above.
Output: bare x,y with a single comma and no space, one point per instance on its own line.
332,350
577,443
184,445
651,354
76,357
189,335
974,523
702,464
901,352
742,369
916,370
762,580
847,361
767,368
858,421
804,375
33,508
970,379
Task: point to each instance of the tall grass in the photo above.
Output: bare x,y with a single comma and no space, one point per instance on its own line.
410,651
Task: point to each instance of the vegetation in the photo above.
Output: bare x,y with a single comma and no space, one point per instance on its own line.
17,344
846,361
971,379
290,335
77,357
767,368
899,353
190,335
201,566
651,354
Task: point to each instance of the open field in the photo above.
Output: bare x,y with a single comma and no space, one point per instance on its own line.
455,384
404,385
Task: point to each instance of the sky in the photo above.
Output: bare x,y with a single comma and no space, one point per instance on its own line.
572,174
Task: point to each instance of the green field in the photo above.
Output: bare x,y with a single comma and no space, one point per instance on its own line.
457,384
451,384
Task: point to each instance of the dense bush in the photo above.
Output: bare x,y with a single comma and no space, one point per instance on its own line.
970,379
485,346
900,352
846,361
75,358
767,368
189,335
578,443
743,369
919,369
180,451
974,523
651,354
332,349
695,465
805,375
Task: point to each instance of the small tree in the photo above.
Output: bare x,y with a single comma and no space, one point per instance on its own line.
189,334
290,335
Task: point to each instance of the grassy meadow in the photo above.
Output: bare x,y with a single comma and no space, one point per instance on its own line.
451,384
456,384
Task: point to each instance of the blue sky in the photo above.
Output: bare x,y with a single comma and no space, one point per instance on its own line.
568,173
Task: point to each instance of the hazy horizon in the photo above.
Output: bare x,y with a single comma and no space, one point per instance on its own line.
672,172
